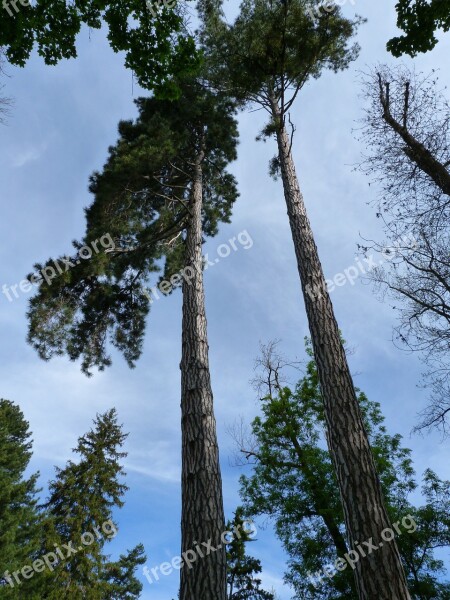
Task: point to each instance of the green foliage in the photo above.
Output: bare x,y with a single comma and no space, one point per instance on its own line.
242,568
72,528
425,572
154,41
80,510
142,201
120,575
293,482
419,20
19,516
273,48
92,481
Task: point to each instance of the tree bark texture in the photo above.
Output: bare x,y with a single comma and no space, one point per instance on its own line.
380,574
202,519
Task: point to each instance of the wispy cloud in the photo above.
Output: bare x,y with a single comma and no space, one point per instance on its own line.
28,155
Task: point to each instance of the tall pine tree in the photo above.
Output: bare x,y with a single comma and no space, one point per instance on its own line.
266,57
163,189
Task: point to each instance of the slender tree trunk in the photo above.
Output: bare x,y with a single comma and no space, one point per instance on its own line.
202,521
379,575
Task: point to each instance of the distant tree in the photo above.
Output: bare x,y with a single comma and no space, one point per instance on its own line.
152,34
406,130
293,482
80,509
419,20
20,518
164,188
265,58
242,569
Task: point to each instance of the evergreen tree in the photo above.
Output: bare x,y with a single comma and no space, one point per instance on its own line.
242,569
120,575
19,515
266,56
163,188
80,522
294,483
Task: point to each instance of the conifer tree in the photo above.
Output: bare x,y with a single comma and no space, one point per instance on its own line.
265,57
163,188
80,508
242,569
293,482
20,517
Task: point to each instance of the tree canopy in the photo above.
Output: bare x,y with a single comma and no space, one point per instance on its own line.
419,20
141,204
274,48
153,36
293,482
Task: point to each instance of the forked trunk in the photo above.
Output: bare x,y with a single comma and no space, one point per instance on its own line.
379,575
203,576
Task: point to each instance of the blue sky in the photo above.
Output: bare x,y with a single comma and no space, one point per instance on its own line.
63,121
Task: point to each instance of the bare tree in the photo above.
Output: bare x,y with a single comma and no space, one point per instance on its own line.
406,129
269,369
269,379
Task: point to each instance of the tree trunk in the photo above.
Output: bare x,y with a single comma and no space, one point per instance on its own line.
202,521
379,575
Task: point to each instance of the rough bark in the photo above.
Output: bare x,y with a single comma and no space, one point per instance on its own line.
380,575
202,519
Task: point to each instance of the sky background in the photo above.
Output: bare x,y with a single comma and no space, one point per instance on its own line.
62,123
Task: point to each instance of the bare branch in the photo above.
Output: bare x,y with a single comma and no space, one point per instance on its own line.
245,444
269,368
406,129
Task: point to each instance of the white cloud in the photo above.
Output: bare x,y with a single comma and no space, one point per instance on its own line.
22,157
